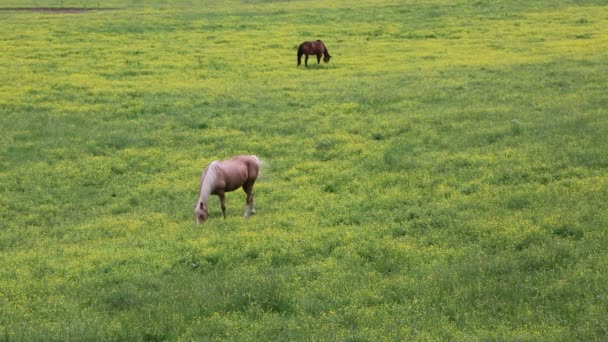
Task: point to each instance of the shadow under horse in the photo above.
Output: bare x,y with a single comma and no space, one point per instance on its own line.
313,48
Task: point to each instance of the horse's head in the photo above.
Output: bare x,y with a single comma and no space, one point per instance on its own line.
200,212
326,58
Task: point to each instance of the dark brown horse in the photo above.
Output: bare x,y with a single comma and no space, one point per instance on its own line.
313,48
228,175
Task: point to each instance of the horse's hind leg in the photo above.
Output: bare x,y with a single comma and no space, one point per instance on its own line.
252,205
306,60
223,203
249,207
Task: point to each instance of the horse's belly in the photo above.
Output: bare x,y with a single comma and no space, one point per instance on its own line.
232,187
235,178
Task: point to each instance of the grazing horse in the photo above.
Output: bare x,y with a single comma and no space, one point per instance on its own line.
313,48
228,175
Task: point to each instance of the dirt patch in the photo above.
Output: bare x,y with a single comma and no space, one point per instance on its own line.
73,10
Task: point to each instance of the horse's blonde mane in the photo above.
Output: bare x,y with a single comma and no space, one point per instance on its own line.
208,181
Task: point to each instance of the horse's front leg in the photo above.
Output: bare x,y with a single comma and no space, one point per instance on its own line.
222,202
319,59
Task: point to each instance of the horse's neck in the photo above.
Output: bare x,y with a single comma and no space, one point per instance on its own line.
208,180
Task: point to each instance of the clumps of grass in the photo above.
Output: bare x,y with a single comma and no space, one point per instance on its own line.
248,292
324,149
378,136
568,232
470,188
202,125
203,263
399,155
122,299
330,188
518,201
516,127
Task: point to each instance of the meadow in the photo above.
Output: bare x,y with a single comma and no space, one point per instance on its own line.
444,177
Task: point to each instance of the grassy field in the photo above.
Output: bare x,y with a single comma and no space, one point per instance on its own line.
444,177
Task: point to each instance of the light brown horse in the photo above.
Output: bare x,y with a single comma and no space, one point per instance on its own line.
220,177
313,48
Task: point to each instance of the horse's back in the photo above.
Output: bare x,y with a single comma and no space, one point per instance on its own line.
312,47
241,168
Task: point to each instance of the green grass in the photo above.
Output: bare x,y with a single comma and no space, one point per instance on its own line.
444,177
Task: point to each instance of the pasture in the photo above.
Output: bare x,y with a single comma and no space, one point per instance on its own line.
444,177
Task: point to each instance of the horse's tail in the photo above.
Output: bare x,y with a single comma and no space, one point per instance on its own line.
300,53
261,165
